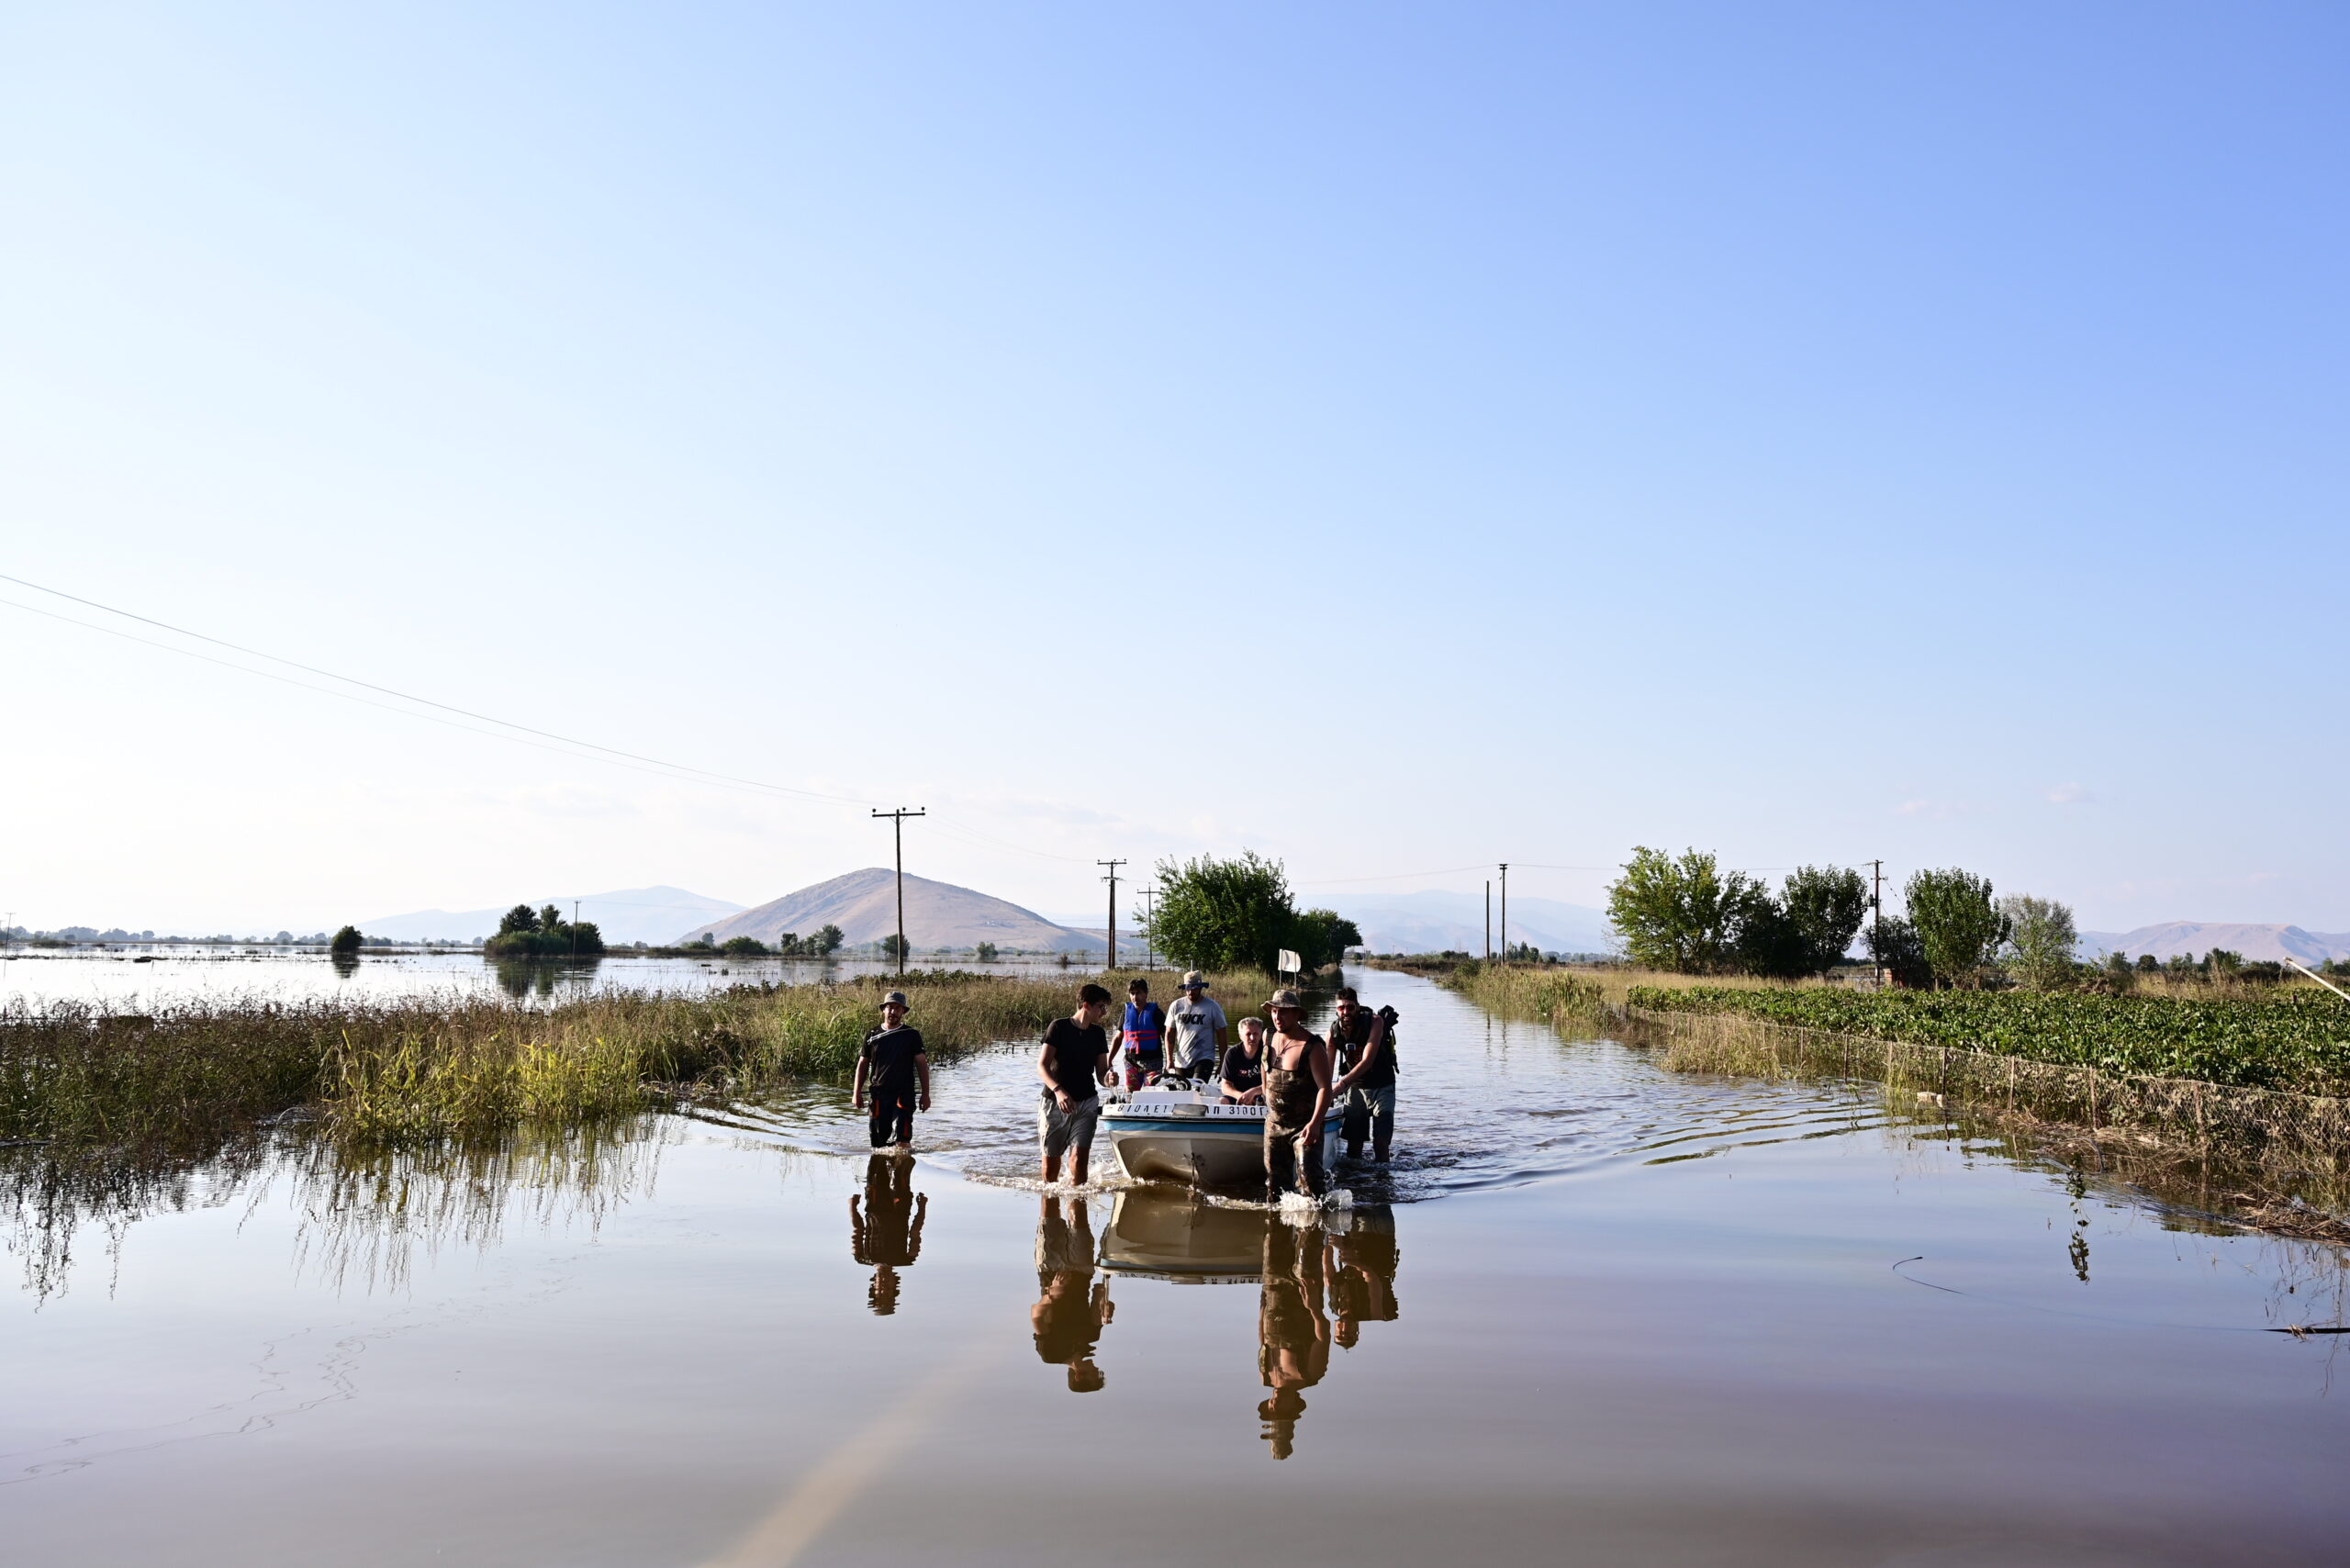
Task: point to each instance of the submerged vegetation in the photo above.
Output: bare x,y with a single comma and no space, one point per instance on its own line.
191,1074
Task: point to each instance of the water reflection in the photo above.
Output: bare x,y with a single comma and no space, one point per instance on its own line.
887,1236
345,964
1072,1306
1308,1269
523,979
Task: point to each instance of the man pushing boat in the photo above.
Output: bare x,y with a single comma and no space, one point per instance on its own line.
1297,1095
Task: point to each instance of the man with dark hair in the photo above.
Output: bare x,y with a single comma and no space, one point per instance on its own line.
1074,1058
1366,1090
892,1065
1144,1037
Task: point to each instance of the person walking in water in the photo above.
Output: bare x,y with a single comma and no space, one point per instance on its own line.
1243,1078
1297,1096
1195,1029
1144,1037
1365,1044
1075,1056
893,1067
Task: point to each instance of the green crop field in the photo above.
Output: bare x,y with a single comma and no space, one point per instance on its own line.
2296,1040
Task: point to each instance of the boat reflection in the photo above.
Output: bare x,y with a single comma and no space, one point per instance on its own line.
887,1236
1320,1277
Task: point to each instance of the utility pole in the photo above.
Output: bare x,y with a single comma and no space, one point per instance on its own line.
575,929
1149,928
1876,921
1489,920
1113,880
1504,912
898,828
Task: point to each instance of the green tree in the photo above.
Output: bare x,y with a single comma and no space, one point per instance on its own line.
893,948
1224,914
1826,905
551,919
987,952
1321,936
2041,939
346,942
827,941
2148,964
742,947
521,918
1957,923
1893,943
1682,915
2219,963
1767,940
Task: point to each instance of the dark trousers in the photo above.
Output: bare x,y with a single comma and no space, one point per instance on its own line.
1287,1153
893,1113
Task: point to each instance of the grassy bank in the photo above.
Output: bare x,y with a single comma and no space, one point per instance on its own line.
194,1072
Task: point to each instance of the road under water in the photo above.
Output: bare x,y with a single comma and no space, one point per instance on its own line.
1596,1314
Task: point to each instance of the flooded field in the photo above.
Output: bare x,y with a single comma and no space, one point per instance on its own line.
131,976
1596,1314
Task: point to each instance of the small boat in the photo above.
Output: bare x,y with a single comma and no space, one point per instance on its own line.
1174,1133
1160,1235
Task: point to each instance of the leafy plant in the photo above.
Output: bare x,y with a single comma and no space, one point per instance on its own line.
346,942
1893,943
2041,939
1956,923
1224,914
1683,915
1826,905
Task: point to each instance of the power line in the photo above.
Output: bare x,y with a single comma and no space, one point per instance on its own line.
679,767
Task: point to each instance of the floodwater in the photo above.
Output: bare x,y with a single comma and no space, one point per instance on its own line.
1598,1315
132,976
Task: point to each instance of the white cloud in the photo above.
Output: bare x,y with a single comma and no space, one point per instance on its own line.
2069,794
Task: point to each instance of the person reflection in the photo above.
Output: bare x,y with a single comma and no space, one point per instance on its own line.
1362,1279
1071,1309
1296,1336
887,1236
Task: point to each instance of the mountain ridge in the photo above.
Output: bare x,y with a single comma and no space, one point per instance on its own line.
864,904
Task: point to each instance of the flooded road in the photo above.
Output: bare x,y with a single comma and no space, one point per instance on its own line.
1596,1314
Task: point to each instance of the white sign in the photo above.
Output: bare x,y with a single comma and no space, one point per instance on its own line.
1291,963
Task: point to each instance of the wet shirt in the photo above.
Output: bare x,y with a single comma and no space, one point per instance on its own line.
1073,1049
1350,1044
1145,1029
1192,1027
890,1055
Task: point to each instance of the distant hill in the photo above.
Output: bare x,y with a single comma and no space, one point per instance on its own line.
627,914
2177,938
864,906
1437,922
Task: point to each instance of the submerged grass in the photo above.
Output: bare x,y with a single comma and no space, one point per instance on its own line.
195,1072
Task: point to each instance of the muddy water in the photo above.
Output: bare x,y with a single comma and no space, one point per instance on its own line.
1597,1315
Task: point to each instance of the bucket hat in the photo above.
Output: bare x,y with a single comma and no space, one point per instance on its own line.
1195,981
898,998
1285,997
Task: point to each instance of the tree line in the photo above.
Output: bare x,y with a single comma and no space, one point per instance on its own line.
527,933
1239,913
1688,915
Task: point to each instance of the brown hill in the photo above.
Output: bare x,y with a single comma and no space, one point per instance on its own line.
938,914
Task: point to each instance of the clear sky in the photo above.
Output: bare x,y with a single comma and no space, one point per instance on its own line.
1393,438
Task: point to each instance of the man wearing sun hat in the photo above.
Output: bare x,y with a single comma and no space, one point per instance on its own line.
1195,1030
1297,1096
892,1065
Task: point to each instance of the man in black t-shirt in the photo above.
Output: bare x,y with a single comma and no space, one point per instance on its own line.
1074,1057
893,1067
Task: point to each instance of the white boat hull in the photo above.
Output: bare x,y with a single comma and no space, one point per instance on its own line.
1179,1135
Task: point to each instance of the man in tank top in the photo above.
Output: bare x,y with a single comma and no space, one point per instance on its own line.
1297,1095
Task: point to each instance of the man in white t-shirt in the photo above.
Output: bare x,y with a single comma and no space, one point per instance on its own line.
1195,1030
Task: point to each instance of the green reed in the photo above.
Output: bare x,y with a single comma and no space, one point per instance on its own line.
191,1072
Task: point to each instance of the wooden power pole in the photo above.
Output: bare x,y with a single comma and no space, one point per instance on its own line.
1504,912
1113,880
897,827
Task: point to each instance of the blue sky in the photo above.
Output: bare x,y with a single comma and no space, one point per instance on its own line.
1392,438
